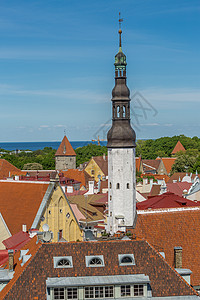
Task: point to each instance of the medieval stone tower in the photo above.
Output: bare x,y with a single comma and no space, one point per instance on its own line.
65,157
121,153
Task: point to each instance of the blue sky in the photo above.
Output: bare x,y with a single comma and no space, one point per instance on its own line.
57,72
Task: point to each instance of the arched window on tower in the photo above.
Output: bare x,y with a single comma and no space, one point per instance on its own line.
124,111
118,111
118,186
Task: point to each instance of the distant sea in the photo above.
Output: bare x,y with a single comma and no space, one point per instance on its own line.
40,145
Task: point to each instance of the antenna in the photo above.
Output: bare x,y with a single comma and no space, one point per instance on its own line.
45,227
65,131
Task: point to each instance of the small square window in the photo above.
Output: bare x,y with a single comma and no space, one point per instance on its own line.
138,290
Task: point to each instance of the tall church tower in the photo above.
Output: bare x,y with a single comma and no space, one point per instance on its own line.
121,153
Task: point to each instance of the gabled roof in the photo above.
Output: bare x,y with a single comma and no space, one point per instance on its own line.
65,148
155,190
17,241
169,228
164,281
85,206
178,147
150,164
102,162
168,163
178,187
7,169
19,202
166,200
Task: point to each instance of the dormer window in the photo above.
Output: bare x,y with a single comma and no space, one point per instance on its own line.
94,261
126,259
62,262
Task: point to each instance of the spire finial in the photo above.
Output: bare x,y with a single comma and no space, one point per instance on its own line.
120,31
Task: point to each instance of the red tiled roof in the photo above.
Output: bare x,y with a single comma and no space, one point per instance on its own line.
150,164
19,203
3,256
178,187
76,174
178,147
168,163
65,148
155,190
17,241
7,169
32,276
166,200
166,230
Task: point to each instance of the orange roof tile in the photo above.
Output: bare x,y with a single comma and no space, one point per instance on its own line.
19,202
137,163
76,174
65,148
178,147
168,163
168,229
7,169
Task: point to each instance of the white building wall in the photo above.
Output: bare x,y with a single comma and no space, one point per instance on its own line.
122,201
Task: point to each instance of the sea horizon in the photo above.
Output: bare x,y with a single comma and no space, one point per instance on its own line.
13,146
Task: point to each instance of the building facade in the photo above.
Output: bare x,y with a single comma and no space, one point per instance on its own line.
65,157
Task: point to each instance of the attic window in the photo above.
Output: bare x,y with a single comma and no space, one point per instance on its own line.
62,262
126,259
94,261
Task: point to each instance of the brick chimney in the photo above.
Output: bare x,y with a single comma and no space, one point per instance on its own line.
178,257
11,260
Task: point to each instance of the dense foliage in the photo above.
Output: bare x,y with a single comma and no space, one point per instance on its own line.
83,154
45,157
148,149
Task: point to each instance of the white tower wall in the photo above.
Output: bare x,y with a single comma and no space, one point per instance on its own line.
121,189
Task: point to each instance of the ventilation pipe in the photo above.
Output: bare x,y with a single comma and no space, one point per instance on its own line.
11,260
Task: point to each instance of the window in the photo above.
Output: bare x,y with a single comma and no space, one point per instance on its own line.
72,293
138,290
127,186
110,198
64,262
96,292
110,185
124,111
125,290
59,293
118,186
95,261
92,172
126,259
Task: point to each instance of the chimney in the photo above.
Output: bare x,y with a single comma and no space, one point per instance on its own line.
178,257
11,260
145,181
104,156
24,229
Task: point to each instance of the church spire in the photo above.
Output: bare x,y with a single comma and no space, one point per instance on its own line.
121,134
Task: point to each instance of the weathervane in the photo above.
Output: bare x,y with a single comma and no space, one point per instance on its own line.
120,31
120,20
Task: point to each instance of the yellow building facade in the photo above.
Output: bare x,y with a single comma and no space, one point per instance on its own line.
60,217
93,169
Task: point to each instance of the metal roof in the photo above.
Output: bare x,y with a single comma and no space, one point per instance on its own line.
96,280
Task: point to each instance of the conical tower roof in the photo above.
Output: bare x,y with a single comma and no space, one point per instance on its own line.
65,148
178,147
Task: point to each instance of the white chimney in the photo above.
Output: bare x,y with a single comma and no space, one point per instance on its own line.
91,188
24,228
